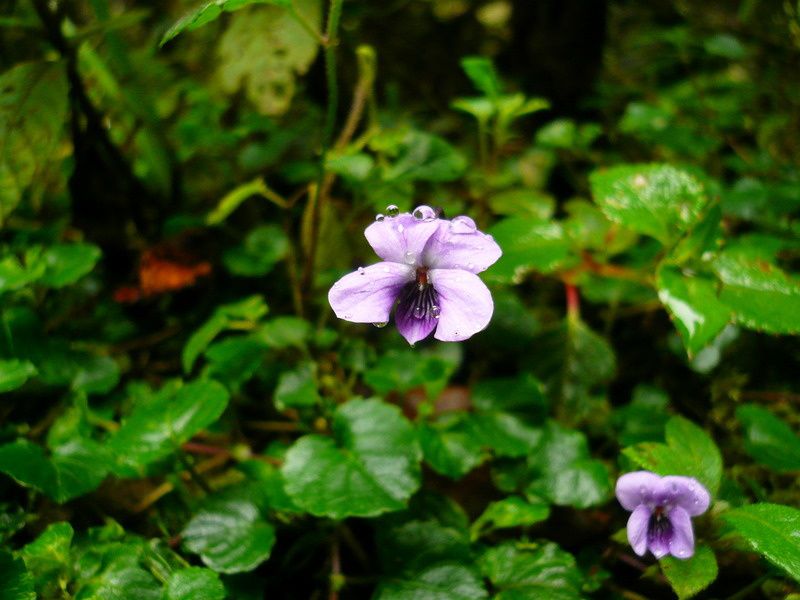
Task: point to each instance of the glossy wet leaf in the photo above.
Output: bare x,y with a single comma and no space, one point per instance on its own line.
262,249
436,582
691,576
15,581
66,263
688,451
771,530
528,246
512,511
230,534
14,374
194,583
369,466
47,558
297,388
658,200
693,305
530,572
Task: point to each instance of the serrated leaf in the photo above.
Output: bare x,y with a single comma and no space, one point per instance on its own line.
209,11
230,535
657,200
48,556
691,576
689,451
14,374
449,447
528,246
772,531
531,572
15,581
157,427
769,440
194,583
509,512
444,581
694,307
370,466
761,295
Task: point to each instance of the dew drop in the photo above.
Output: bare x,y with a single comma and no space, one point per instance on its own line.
361,270
381,325
380,217
410,257
392,210
424,213
419,312
435,311
463,224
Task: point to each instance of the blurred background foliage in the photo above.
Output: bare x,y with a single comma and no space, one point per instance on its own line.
181,182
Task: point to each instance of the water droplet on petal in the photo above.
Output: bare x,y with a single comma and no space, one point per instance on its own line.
380,217
410,257
382,324
392,210
435,311
463,224
360,270
424,213
419,312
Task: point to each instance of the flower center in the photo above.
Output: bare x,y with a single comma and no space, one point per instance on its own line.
418,299
659,528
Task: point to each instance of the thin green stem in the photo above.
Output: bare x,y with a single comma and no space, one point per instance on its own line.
317,199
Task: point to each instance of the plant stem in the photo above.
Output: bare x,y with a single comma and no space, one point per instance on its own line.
317,199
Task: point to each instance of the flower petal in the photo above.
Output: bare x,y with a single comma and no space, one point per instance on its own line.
455,246
682,543
367,295
464,301
412,328
637,529
685,492
400,239
634,489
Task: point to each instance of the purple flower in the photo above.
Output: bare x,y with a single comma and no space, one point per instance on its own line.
429,273
662,510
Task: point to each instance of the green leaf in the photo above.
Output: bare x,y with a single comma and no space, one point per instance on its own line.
426,157
528,246
523,202
563,471
725,45
67,263
262,249
230,534
694,307
14,374
509,512
443,581
769,440
532,572
15,581
157,427
48,557
403,370
657,200
194,583
771,530
689,451
209,11
297,388
481,72
284,332
370,466
449,447
234,360
233,199
760,294
249,310
691,576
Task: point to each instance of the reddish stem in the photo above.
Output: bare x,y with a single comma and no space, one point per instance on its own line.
573,301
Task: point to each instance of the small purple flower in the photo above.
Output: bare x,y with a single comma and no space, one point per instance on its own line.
429,273
662,510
